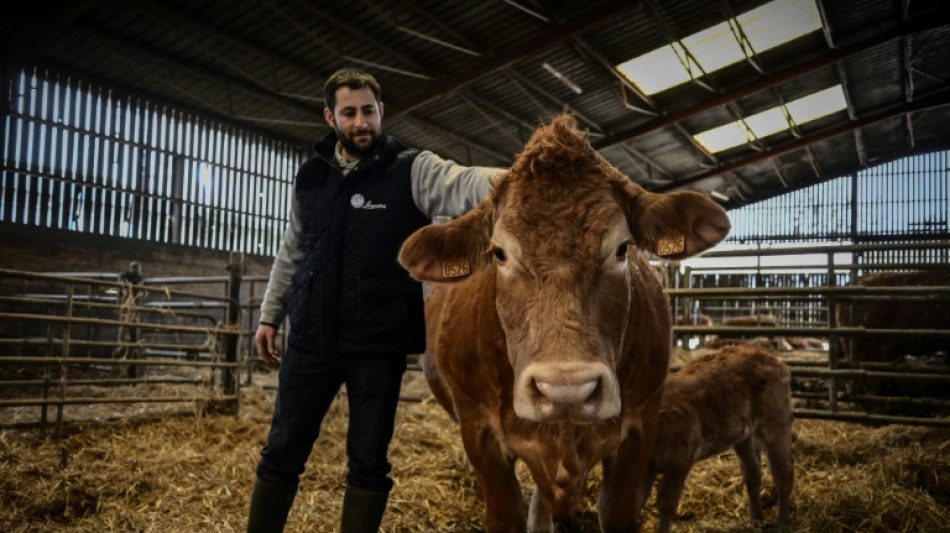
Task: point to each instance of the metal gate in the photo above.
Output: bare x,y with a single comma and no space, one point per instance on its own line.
83,339
798,300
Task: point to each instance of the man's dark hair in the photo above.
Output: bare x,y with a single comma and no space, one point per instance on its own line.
352,78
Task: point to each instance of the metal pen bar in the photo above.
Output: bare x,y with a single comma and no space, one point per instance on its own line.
816,331
88,281
849,290
185,279
25,402
25,383
867,418
892,367
118,323
106,361
104,344
868,374
828,249
819,268
159,308
880,400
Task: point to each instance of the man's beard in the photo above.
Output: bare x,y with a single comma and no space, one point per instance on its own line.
354,149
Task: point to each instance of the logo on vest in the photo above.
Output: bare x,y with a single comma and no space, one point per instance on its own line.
359,202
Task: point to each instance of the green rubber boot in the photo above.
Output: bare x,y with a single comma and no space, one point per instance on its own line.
362,510
270,504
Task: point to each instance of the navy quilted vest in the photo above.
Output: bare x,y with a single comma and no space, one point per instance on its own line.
350,295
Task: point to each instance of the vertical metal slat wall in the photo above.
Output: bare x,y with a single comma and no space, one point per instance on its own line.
903,199
77,157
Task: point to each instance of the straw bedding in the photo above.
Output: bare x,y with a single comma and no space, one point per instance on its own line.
187,471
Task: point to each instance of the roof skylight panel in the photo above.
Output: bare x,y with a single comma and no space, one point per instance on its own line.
762,28
774,120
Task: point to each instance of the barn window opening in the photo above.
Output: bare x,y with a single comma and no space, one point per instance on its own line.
907,196
774,120
727,43
84,158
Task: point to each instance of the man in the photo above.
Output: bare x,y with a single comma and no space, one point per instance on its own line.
354,312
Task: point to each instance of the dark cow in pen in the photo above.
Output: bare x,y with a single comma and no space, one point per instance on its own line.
899,351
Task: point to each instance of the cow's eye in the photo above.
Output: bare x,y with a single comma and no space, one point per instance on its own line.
500,255
622,251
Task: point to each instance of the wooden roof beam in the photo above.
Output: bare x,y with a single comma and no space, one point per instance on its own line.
558,33
200,71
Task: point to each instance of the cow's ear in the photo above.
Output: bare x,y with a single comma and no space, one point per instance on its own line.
679,224
450,251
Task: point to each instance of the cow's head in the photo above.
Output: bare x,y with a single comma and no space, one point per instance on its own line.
559,233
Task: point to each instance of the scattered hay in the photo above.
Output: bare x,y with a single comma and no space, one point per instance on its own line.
189,472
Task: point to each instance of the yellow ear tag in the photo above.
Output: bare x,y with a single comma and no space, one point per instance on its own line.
671,245
456,270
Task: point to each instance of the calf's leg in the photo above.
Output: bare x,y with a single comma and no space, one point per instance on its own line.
781,465
751,468
646,486
668,494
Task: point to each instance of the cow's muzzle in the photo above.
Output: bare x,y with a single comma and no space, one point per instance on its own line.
577,392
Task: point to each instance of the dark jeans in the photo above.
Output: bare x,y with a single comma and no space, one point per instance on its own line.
308,382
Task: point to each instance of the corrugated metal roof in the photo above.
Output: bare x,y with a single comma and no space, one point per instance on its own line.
467,79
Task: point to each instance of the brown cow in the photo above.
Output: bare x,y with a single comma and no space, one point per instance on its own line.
726,399
553,339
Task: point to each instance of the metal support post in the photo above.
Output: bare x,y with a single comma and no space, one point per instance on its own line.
229,379
833,338
127,313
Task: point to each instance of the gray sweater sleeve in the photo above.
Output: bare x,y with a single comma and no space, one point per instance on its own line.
288,258
444,189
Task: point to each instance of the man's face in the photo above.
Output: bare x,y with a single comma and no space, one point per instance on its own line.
357,120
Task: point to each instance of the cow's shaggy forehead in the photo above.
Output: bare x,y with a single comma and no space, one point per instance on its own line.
557,199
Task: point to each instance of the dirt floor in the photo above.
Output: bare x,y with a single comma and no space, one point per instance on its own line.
183,470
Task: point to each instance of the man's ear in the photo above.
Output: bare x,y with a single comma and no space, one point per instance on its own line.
328,116
451,251
675,225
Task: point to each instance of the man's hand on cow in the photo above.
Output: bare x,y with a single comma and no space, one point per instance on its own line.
265,344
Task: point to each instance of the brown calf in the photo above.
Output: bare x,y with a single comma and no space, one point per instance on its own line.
728,398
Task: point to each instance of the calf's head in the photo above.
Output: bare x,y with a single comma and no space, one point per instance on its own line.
559,233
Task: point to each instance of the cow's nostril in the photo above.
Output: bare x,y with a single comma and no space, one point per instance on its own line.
567,393
581,391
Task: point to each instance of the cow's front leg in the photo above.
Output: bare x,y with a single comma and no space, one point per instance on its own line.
623,475
539,518
504,504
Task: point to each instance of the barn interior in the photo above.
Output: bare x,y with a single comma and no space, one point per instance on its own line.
149,149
